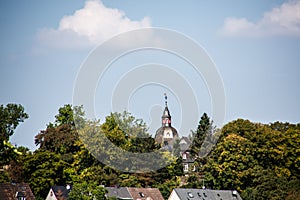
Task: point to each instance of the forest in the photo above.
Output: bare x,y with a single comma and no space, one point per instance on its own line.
260,161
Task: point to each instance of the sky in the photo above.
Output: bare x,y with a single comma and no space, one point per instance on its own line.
254,46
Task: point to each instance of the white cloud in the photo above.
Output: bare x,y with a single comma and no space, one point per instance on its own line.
282,20
89,26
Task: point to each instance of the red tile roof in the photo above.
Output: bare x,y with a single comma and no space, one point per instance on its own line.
145,193
8,191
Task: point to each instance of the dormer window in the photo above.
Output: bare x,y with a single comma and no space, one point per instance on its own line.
141,194
184,156
20,196
190,195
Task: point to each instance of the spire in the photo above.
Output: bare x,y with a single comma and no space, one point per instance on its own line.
166,118
166,99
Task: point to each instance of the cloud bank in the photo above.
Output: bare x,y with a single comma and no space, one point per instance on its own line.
92,24
282,20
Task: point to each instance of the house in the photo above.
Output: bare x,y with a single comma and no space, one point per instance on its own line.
130,193
203,194
187,159
59,193
15,191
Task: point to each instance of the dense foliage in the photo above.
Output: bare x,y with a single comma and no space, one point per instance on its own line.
10,117
261,161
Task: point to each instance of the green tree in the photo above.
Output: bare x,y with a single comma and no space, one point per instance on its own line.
62,136
42,170
87,191
205,129
120,135
65,116
255,159
10,117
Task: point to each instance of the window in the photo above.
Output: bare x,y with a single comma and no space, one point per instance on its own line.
190,195
234,193
184,156
20,196
186,167
194,168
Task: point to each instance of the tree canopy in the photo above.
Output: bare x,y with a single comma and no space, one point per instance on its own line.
11,116
261,161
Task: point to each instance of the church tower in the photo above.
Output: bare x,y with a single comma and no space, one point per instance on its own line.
166,134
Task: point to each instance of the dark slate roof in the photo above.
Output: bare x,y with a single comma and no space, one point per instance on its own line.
206,194
118,192
9,191
145,193
60,192
185,144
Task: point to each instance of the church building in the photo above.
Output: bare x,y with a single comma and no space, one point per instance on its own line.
166,135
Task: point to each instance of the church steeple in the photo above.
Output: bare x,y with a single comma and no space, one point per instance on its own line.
166,117
166,134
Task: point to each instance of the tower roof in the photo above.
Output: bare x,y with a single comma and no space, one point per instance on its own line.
166,134
166,113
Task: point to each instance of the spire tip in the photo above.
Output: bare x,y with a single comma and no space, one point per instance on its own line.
166,98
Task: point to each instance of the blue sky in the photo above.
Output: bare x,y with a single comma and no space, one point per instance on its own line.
254,44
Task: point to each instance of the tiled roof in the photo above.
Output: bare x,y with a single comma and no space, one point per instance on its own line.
8,191
118,192
145,194
134,193
184,144
206,194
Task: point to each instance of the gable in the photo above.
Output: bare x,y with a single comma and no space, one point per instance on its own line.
8,191
58,193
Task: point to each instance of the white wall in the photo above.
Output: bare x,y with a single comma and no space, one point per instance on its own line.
173,196
51,195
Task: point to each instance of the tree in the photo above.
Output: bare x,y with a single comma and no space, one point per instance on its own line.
42,170
16,166
205,129
62,136
61,140
65,116
10,117
260,161
119,140
87,191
